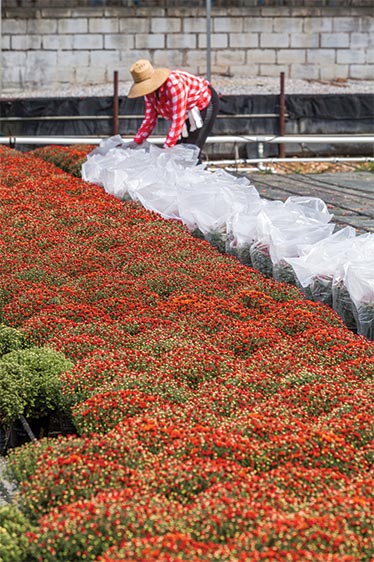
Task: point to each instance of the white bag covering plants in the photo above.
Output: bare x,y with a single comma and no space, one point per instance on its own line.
353,287
208,201
315,268
293,241
310,224
241,226
339,271
312,207
359,281
285,230
169,182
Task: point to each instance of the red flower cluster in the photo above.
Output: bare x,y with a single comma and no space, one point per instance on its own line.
221,415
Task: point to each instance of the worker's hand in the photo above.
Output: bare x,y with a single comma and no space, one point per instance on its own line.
132,145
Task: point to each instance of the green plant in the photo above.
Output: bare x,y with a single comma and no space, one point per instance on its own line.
21,462
216,239
344,305
13,535
366,167
260,258
30,384
11,339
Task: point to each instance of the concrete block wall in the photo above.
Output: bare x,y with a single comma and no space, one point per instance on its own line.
42,47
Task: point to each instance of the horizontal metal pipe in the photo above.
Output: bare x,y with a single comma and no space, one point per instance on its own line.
294,139
289,160
107,117
49,140
249,115
58,118
314,139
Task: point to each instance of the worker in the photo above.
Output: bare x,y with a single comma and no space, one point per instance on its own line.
188,101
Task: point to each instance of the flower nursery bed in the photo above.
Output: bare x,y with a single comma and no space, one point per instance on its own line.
219,414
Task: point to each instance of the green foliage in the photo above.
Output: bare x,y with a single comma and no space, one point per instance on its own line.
68,158
13,537
30,383
21,461
11,339
366,167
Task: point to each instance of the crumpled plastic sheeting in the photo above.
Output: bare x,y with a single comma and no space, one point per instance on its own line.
170,182
289,227
339,271
325,258
269,235
355,283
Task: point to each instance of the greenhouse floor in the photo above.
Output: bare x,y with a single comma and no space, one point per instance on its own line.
348,195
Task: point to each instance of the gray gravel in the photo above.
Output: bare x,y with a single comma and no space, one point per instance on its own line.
225,85
7,489
243,85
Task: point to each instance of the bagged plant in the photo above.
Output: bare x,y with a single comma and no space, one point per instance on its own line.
241,229
241,252
315,268
359,282
343,304
294,229
353,286
283,272
260,258
208,201
285,230
320,289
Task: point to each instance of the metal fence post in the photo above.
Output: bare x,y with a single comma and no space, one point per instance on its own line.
115,104
282,113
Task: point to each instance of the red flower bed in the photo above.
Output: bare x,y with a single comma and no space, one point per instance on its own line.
221,416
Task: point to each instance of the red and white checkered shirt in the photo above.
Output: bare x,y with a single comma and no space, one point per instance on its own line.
180,93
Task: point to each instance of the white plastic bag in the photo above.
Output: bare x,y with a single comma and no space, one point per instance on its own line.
359,282
315,268
286,230
312,207
353,287
241,230
208,200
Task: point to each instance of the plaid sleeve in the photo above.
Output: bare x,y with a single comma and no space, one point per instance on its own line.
149,122
178,95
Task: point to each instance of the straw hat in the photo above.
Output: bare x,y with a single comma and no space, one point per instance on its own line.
146,78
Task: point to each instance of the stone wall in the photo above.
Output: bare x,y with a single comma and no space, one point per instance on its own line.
51,46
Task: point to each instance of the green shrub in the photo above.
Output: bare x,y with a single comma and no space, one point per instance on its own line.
30,383
13,538
21,461
11,339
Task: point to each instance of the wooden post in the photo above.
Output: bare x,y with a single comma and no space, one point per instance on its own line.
282,112
115,104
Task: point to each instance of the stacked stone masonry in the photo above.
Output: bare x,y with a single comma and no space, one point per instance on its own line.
84,46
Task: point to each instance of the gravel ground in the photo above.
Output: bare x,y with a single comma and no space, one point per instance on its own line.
225,85
7,489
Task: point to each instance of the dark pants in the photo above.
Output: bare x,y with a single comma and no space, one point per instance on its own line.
208,116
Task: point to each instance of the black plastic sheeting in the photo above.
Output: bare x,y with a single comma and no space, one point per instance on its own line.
332,106
333,113
305,114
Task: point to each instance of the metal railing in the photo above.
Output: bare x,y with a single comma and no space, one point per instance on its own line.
115,117
234,139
